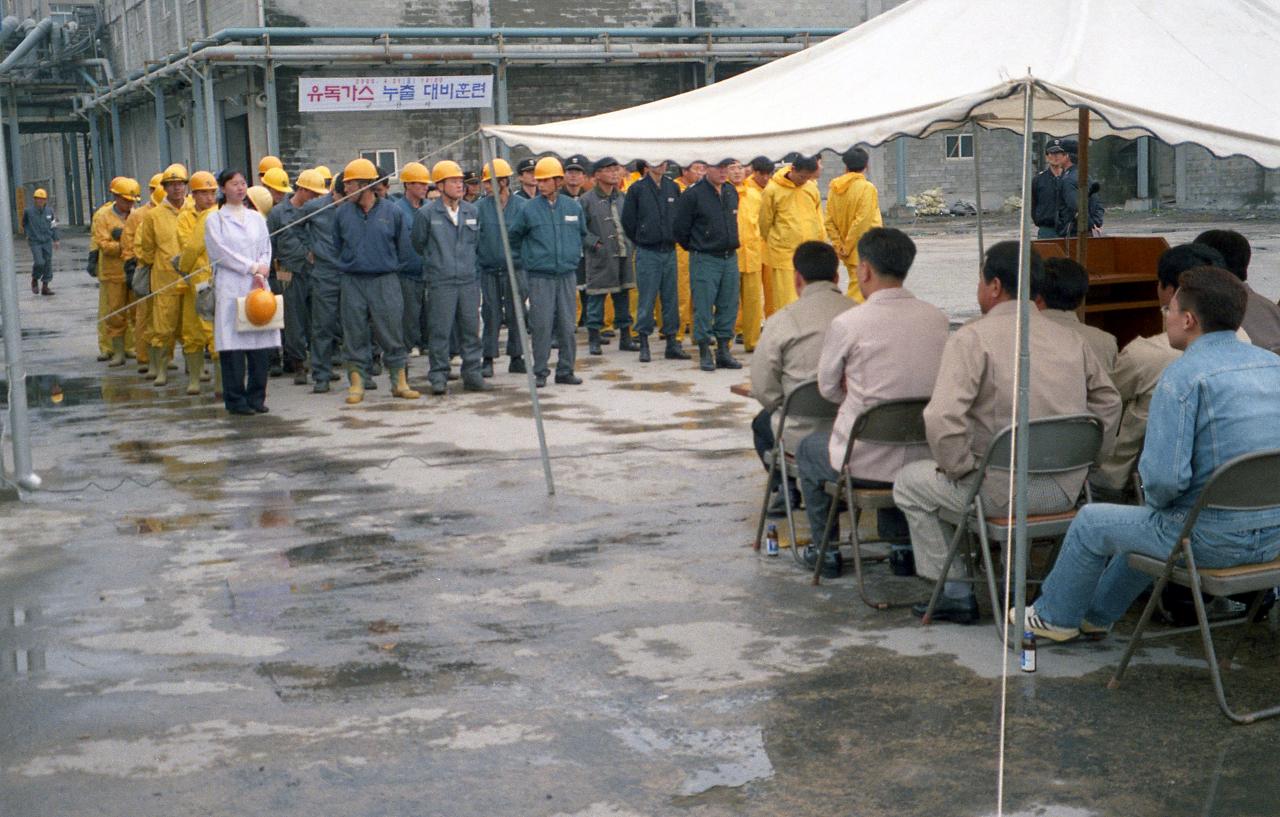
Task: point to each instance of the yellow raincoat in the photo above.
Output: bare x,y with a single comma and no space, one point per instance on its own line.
789,216
750,263
853,208
197,333
157,245
112,289
140,316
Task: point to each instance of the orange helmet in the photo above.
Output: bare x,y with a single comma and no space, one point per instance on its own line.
267,163
202,180
548,167
415,172
359,170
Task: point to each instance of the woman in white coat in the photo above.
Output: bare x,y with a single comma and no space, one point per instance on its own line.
240,251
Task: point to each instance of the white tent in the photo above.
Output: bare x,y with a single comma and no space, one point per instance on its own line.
1181,70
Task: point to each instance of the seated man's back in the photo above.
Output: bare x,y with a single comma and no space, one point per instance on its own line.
1261,315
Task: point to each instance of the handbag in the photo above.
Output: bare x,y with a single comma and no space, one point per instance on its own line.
140,282
243,324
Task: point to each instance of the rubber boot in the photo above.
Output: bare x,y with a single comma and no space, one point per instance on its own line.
117,353
593,342
400,385
195,370
160,365
645,357
675,350
705,361
725,358
144,366
626,343
355,392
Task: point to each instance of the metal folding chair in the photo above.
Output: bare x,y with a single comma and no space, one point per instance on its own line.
894,422
1057,445
1246,483
803,401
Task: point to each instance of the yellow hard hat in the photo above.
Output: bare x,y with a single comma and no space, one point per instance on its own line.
174,173
359,170
261,198
503,168
122,186
325,173
203,180
267,163
414,172
548,167
446,169
155,181
313,181
135,190
157,195
40,194
277,179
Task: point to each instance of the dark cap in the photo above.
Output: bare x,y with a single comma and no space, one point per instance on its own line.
638,165
1057,146
601,164
526,164
726,162
471,177
791,157
577,162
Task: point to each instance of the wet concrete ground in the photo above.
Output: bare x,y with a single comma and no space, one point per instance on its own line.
378,611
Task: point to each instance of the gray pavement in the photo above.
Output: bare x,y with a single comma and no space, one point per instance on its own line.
378,611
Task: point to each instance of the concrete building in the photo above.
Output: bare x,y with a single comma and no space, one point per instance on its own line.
172,82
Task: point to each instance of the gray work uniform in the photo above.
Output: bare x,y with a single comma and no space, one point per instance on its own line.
41,228
448,251
497,303
413,288
289,248
325,285
372,248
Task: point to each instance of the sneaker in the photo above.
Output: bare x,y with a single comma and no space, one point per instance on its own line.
1042,628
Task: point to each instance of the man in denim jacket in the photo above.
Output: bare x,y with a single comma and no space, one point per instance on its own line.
1220,400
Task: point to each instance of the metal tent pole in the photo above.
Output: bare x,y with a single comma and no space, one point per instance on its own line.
487,151
1023,408
977,192
273,111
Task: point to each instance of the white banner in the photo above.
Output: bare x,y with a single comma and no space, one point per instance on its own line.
394,93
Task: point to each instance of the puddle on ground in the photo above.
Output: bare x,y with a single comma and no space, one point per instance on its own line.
614,376
664,386
356,548
573,556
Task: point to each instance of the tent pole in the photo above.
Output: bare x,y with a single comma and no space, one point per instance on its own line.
1022,409
1082,189
977,192
486,154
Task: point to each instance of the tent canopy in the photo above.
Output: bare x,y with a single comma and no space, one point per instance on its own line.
1180,70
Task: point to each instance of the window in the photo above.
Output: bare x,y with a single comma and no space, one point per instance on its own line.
959,146
384,160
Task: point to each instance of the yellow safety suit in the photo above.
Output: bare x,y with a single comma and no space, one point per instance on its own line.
789,216
683,288
157,245
197,333
141,314
750,263
104,345
112,288
853,208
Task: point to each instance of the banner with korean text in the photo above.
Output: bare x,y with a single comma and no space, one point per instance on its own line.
394,93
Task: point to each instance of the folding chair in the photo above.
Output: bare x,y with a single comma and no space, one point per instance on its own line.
1057,445
803,401
1247,483
894,422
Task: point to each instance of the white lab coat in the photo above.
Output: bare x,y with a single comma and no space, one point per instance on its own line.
236,238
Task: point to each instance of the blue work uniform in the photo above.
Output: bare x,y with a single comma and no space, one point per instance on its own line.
448,243
497,303
41,228
372,248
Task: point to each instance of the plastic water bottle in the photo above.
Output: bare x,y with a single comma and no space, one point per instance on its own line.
771,541
1028,651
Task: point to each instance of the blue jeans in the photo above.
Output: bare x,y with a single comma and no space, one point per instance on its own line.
714,282
1092,578
656,277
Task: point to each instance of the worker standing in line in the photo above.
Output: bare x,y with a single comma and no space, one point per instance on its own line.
130,192
325,286
706,224
528,186
647,217
689,176
371,237
416,179
550,233
575,185
853,208
289,257
498,304
158,244
446,233
750,249
326,175
140,314
41,226
759,172
790,214
266,164
193,264
609,274
107,229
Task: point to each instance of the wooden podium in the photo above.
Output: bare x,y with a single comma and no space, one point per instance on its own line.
1122,282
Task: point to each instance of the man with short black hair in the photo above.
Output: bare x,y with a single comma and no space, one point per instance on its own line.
1218,401
648,214
524,172
853,208
1066,223
608,259
789,348
1044,191
706,225
973,401
790,214
1261,317
886,349
1062,289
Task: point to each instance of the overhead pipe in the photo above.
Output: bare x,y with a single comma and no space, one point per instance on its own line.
34,37
104,64
533,52
9,30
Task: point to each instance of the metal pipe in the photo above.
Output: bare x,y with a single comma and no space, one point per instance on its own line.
198,122
1022,408
1082,191
15,139
28,44
77,183
1144,167
8,30
162,128
216,159
95,152
104,64
273,111
977,193
900,169
638,33
486,156
19,425
117,143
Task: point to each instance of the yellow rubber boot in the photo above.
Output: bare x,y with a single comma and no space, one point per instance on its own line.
400,386
195,371
160,366
117,353
355,392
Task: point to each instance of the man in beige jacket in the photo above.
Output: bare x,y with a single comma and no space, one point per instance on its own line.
973,401
788,351
1061,291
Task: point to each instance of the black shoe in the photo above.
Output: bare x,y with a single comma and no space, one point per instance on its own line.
568,380
44,290
300,376
516,366
334,376
261,409
486,368
321,387
706,362
957,611
724,358
675,351
540,380
626,343
242,411
438,388
35,287
593,342
376,368
902,561
370,384
645,357
832,563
